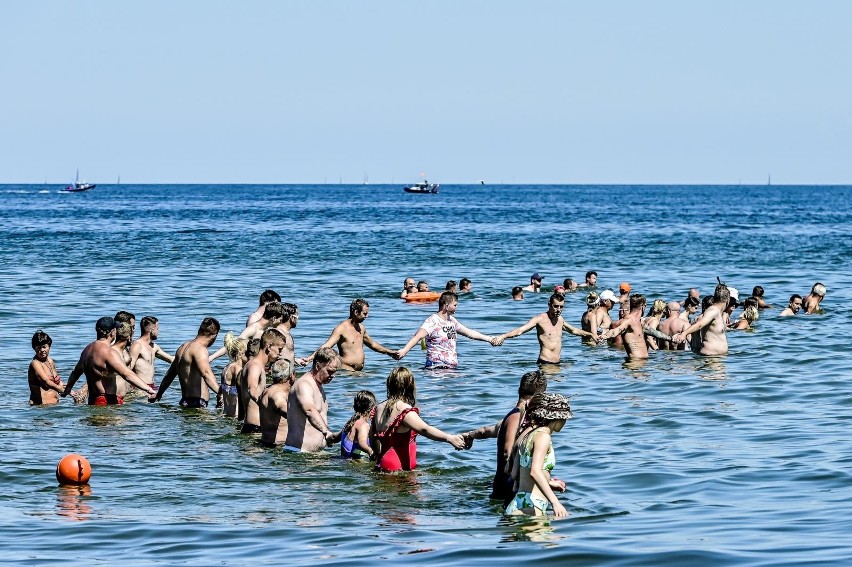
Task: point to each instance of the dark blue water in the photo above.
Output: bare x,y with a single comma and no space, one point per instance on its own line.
739,460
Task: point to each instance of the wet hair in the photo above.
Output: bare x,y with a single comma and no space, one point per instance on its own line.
590,274
269,296
636,300
568,283
556,296
446,298
721,294
272,337
400,387
750,301
289,310
517,290
546,407
464,282
818,289
532,383
252,348
123,331
234,346
424,282
691,302
757,291
209,327
657,307
124,317
104,326
706,302
794,297
363,404
357,306
41,338
751,314
324,356
452,285
147,323
273,310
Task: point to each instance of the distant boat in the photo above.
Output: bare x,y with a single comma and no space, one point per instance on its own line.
76,187
422,187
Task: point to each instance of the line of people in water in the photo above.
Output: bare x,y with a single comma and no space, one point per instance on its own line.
259,385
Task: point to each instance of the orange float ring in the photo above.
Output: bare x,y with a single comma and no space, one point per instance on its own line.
73,469
421,296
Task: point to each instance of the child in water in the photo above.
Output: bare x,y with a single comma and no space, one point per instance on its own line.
534,457
228,393
355,435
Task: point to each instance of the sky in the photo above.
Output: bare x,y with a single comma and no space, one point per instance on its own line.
459,91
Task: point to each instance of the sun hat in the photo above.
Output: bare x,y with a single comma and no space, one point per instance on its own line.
547,406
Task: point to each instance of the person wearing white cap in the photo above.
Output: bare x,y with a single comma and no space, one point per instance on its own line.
598,318
812,300
711,326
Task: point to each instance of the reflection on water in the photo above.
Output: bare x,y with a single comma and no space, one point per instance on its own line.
72,502
534,529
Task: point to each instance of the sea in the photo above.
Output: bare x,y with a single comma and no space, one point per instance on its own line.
744,459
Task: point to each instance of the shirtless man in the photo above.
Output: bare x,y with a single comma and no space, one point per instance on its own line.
350,336
712,340
793,307
811,301
253,380
757,292
591,279
285,366
42,376
632,329
99,362
273,315
307,406
408,286
549,326
144,350
598,318
268,296
672,325
535,283
192,366
517,293
121,345
623,300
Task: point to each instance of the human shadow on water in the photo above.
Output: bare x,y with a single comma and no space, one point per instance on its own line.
72,502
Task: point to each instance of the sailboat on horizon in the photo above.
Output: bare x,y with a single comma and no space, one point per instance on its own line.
77,187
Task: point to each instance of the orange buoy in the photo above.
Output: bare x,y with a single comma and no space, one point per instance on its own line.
421,296
73,469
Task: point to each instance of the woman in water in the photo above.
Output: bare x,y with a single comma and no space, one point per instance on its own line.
749,316
397,422
45,383
355,435
534,458
228,395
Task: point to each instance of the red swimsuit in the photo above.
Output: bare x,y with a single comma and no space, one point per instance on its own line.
399,450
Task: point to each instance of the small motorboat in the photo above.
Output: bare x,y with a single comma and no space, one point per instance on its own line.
422,187
76,187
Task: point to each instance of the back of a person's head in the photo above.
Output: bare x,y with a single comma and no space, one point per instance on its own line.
532,383
273,310
269,295
446,298
271,337
209,327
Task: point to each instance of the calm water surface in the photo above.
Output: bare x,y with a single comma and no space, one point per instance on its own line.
743,459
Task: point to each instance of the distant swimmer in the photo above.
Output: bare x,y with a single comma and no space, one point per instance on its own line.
440,332
307,405
350,337
273,315
671,326
591,279
452,285
192,367
535,283
793,307
253,378
517,293
749,316
757,292
810,303
408,286
465,285
100,363
569,285
632,329
549,326
144,350
42,375
268,296
422,285
711,340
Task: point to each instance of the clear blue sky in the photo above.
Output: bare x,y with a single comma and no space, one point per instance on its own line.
527,92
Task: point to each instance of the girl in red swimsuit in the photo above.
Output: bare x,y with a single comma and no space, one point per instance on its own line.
396,423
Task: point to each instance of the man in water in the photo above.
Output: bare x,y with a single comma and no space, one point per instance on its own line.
591,279
273,314
672,325
623,300
350,336
144,350
253,378
272,406
631,327
711,325
267,297
440,331
100,363
757,293
535,283
549,327
286,363
307,406
408,286
810,303
191,366
793,307
517,293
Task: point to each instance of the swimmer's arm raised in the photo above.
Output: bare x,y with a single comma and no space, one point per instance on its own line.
656,333
617,330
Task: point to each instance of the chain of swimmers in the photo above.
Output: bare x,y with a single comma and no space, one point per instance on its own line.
293,412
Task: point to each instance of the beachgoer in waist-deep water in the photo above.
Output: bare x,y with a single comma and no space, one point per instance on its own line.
228,397
42,375
397,422
355,435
